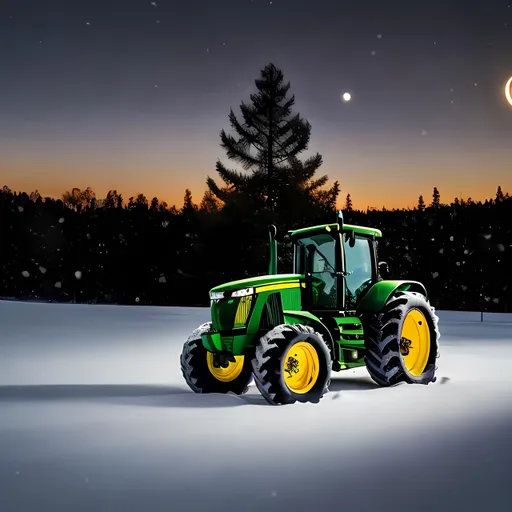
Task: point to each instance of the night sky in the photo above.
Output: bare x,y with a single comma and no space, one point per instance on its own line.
132,94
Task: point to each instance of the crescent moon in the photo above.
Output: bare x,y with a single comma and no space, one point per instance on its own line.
508,90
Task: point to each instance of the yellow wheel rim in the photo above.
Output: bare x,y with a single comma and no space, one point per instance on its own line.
415,342
225,374
301,367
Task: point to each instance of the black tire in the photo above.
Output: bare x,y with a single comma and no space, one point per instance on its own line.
383,333
268,364
198,376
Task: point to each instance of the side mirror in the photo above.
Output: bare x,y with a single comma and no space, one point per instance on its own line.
350,237
384,270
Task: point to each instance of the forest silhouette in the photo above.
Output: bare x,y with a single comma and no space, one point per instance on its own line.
85,249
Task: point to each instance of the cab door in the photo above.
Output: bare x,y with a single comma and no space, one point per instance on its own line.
359,270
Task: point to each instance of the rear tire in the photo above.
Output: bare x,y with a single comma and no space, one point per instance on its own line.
198,373
292,363
402,341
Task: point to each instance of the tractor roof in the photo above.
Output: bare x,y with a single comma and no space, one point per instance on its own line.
362,230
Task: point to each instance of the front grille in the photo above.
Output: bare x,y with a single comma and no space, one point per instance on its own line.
232,313
272,312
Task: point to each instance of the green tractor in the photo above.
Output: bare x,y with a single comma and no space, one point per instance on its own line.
335,312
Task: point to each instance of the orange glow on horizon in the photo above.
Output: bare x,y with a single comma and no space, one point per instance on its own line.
374,177
361,198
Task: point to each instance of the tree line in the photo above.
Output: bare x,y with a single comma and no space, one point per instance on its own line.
81,248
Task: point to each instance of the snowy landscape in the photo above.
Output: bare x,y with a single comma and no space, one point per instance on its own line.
95,415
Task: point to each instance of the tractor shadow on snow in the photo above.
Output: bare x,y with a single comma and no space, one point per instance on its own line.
352,384
147,395
141,395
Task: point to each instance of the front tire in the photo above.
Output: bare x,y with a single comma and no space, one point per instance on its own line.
202,377
402,341
292,363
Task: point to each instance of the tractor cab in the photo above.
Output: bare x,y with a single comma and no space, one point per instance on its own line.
339,262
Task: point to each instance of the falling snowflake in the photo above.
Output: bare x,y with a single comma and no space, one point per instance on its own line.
162,279
153,4
88,24
61,220
273,493
78,274
441,251
137,299
42,270
435,274
463,287
58,284
373,53
423,132
451,239
25,273
379,36
476,84
158,21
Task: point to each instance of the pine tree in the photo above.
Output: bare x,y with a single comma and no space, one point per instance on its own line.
267,143
188,204
499,195
421,204
209,204
436,198
348,203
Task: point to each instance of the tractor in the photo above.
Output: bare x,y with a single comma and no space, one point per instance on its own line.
336,311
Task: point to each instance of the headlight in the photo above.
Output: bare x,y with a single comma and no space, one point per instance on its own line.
237,293
243,293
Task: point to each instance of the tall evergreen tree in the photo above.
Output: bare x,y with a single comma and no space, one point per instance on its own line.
421,204
436,198
267,143
348,203
499,194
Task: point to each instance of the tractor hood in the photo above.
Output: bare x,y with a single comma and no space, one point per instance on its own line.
252,282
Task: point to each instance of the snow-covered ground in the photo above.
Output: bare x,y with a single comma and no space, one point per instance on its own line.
95,416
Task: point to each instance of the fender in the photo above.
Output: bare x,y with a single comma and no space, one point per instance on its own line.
306,318
381,291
